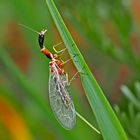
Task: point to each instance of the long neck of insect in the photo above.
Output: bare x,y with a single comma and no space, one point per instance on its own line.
47,53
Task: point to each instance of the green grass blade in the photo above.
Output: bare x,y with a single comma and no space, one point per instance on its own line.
127,92
109,124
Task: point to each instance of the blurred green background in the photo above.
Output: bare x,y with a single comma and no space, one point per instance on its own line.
106,32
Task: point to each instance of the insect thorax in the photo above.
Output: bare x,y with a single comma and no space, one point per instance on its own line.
56,66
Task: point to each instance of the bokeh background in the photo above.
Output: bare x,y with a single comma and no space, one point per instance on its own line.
107,33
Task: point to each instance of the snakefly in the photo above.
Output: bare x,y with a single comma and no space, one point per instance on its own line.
60,101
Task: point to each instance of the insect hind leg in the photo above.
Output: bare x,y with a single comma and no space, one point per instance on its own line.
76,76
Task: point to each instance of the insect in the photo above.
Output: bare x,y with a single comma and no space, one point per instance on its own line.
60,101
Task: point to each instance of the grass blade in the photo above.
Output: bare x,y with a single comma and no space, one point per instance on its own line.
109,124
127,92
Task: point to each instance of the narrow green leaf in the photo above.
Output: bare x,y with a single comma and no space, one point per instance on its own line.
105,116
137,89
127,92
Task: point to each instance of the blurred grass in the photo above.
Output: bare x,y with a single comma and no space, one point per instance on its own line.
94,29
107,34
131,117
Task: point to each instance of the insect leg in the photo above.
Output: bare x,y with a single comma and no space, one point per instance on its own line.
60,51
64,62
66,79
75,76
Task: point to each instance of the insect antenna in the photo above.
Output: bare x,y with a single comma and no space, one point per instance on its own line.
29,28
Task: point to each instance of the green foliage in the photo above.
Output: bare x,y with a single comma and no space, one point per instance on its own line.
96,24
130,119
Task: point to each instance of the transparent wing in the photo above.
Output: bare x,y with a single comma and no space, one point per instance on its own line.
60,101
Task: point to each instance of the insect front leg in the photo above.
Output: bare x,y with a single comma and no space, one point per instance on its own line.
60,52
